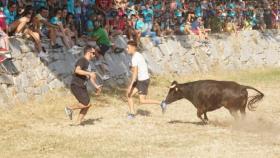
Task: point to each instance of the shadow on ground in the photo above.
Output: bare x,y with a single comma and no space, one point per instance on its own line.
186,122
143,113
92,121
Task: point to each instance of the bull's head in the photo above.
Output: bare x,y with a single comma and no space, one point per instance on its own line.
174,93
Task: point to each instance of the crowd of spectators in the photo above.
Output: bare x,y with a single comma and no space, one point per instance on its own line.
102,20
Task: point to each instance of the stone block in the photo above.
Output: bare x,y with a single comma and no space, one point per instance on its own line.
55,84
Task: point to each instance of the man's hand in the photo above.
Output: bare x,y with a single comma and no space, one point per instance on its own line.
98,90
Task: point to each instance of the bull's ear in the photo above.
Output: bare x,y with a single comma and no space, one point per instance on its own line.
174,84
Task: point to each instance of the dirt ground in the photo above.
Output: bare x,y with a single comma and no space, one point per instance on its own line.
41,129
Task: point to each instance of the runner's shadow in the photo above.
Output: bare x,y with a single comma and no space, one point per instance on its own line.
186,122
143,113
91,121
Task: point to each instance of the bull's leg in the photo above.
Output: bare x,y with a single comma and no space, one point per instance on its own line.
243,112
234,113
199,113
205,116
243,108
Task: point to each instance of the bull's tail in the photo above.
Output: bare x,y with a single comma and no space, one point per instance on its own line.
254,99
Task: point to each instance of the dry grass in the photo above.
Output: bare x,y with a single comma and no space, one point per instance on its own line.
40,129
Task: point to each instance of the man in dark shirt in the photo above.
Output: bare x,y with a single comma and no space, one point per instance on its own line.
78,85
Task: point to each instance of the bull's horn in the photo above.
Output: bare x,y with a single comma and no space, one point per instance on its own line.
173,86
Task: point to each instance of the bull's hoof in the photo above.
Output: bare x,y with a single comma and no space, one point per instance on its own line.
204,122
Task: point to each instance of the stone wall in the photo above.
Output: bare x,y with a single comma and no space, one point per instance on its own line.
37,76
179,54
182,54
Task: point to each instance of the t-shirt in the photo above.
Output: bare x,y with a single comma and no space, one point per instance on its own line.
89,2
157,7
40,18
139,61
90,26
148,15
81,80
10,16
102,37
139,24
71,6
195,25
55,20
198,11
104,4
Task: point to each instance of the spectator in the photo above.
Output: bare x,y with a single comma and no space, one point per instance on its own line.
56,20
10,12
133,18
71,6
4,42
197,29
100,35
148,15
90,24
17,27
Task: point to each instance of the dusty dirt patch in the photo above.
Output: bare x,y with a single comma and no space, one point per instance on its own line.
42,130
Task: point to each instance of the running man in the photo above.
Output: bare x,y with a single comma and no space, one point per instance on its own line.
140,79
81,75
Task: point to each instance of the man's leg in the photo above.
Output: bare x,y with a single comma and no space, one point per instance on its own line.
82,96
131,106
82,114
78,106
143,87
144,100
36,38
52,36
22,22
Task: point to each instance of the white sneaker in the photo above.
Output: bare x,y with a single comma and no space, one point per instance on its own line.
76,47
18,34
106,77
74,51
43,55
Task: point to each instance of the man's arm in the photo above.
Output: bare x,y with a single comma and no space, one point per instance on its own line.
92,38
48,24
79,71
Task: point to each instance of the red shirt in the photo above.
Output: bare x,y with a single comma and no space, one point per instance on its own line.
121,25
104,4
3,24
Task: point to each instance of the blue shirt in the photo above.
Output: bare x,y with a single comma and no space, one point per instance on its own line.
71,6
40,3
89,2
148,15
157,7
10,16
179,4
139,25
54,20
90,25
195,25
231,12
198,11
182,28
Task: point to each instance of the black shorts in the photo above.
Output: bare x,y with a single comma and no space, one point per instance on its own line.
103,49
81,94
142,86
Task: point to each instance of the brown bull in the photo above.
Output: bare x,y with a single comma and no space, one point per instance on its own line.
209,95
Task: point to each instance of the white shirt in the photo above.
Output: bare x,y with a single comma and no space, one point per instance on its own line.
139,61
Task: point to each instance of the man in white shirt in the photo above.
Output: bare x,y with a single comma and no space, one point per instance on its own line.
140,79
